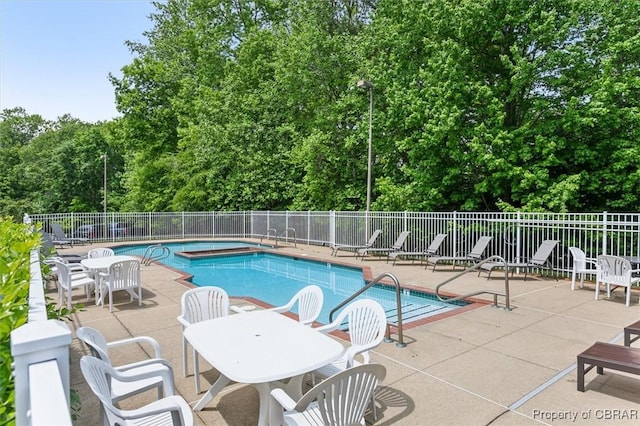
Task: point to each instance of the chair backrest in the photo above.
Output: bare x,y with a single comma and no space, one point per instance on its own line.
400,240
100,252
124,275
309,300
435,244
544,251
58,232
95,341
98,375
478,249
203,303
373,238
63,272
579,258
47,248
367,325
344,397
614,270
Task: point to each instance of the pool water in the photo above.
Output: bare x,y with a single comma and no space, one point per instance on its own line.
274,279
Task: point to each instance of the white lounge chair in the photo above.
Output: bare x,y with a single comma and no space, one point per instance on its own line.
122,276
581,266
158,369
355,248
539,260
474,256
170,410
397,246
309,300
200,304
433,249
341,400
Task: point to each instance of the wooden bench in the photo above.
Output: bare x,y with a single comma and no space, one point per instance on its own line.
607,355
631,330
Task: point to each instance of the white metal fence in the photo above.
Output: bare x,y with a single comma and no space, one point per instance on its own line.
515,235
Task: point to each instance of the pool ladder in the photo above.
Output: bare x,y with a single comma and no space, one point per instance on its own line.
284,235
269,231
400,343
155,252
505,294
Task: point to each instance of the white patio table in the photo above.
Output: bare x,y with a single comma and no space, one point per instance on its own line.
258,348
96,265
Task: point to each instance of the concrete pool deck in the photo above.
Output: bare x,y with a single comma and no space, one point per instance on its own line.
482,366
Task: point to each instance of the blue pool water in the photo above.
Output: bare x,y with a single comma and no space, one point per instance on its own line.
274,279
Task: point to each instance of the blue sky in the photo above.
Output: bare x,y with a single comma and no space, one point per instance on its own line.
55,55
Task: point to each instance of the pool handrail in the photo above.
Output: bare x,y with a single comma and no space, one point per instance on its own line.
269,231
378,279
475,293
149,253
285,234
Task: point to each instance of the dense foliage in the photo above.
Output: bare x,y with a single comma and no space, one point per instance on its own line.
478,105
16,244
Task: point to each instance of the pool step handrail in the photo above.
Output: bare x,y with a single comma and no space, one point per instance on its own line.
285,235
155,252
400,343
270,231
475,293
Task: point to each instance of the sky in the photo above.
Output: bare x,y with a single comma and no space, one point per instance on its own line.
56,55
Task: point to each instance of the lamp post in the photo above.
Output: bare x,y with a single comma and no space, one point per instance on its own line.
367,85
104,201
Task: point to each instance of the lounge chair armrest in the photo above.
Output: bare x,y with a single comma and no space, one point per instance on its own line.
237,309
283,399
127,374
138,339
182,320
144,362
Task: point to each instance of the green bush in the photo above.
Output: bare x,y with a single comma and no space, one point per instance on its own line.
16,244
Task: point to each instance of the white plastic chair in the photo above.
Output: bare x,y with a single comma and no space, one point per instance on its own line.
100,252
200,304
69,280
340,400
309,300
581,266
367,324
159,370
617,272
170,410
124,275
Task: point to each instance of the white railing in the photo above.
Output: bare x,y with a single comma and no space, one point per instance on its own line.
516,235
40,351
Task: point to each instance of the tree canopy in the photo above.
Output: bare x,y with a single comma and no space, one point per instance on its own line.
253,105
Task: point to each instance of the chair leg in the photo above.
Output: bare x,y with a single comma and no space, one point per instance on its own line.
196,370
184,356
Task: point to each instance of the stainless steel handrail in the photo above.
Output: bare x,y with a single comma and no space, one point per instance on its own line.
269,231
379,278
150,253
285,234
473,268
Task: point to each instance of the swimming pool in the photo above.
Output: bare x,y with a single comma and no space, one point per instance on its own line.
274,278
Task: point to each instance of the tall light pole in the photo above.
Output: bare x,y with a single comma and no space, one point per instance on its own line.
104,201
367,85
